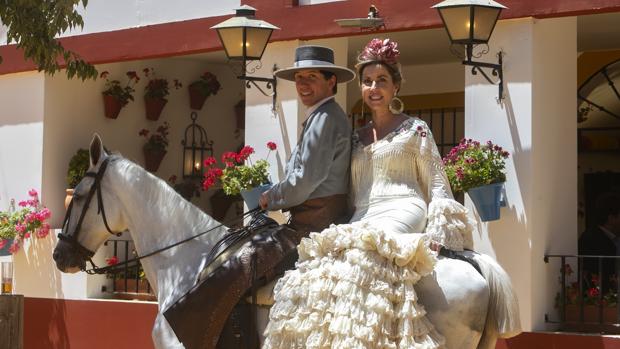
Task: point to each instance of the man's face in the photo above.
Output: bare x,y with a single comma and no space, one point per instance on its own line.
312,86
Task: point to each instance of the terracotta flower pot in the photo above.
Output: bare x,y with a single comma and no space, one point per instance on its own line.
196,97
153,158
153,107
68,198
112,106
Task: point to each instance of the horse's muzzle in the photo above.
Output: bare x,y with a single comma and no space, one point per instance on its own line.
67,258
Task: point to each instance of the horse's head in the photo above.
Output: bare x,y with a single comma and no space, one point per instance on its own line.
92,216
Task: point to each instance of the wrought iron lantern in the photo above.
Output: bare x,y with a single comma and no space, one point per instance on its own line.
244,39
471,23
196,148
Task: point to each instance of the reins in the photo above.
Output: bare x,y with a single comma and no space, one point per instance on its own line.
111,268
87,254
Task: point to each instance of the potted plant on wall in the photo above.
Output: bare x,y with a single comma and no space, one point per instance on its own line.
240,175
478,169
78,165
115,96
200,89
155,147
29,220
155,93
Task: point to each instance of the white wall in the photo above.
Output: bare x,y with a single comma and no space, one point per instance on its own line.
21,135
541,189
74,112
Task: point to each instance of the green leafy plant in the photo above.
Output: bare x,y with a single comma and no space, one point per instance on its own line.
237,175
78,165
157,87
123,93
591,290
34,27
157,140
471,164
208,84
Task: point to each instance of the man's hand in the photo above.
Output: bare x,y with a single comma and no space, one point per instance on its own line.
263,201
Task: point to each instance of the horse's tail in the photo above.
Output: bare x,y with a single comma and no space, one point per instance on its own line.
503,312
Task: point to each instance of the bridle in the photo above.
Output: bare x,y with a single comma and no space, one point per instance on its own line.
87,254
71,238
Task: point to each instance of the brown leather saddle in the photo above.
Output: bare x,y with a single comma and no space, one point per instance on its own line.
242,261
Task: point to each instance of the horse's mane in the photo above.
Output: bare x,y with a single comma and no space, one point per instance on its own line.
157,192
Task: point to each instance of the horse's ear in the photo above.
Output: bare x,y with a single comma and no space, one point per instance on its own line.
96,150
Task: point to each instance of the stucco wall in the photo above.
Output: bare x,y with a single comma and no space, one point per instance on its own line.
532,124
74,112
21,135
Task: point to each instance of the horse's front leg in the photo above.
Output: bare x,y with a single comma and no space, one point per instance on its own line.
163,335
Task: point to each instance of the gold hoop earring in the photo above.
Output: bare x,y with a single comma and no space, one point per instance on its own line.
399,109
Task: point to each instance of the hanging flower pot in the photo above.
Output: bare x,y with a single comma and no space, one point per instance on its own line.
153,107
112,106
4,247
200,89
153,158
197,97
487,200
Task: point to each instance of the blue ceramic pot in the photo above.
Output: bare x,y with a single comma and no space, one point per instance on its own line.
252,196
487,200
5,250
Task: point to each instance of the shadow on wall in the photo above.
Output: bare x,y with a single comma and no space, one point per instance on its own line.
35,269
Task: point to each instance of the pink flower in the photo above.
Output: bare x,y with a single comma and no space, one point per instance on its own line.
111,261
210,161
15,246
33,193
380,50
228,156
593,292
23,203
3,243
271,146
43,231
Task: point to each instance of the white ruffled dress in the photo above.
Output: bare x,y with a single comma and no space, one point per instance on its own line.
353,286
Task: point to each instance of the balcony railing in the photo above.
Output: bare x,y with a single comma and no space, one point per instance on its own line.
129,281
587,300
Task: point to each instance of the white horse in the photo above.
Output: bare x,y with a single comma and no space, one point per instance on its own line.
456,296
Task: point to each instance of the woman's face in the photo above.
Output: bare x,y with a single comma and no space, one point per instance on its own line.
378,88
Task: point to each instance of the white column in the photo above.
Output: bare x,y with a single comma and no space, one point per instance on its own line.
537,124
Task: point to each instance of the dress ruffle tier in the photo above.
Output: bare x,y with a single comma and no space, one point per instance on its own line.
353,288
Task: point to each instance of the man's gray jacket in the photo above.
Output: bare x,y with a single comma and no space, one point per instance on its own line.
320,163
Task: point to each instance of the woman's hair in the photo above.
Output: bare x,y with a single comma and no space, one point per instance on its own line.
384,52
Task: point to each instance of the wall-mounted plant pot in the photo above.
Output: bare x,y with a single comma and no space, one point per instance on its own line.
153,158
196,97
487,200
112,106
153,107
4,251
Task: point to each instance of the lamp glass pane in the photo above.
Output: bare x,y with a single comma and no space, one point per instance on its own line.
457,21
232,39
256,42
484,22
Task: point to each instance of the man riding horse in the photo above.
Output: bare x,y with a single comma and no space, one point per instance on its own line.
314,190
